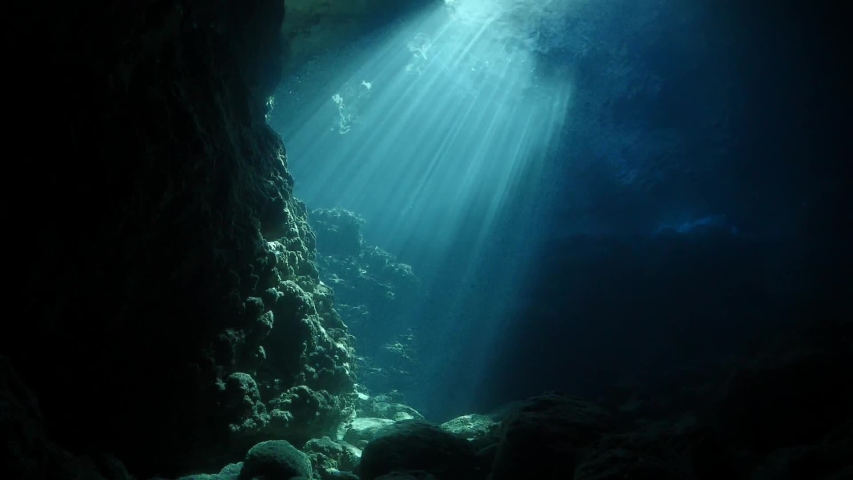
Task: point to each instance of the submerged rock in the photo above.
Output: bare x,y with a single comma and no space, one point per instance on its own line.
417,445
373,293
471,426
789,395
329,458
362,430
275,459
547,434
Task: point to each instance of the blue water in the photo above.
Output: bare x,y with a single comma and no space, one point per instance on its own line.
589,193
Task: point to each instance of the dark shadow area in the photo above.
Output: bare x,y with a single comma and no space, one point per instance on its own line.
621,307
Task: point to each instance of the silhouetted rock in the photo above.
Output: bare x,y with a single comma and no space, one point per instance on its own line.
25,450
418,445
794,391
547,435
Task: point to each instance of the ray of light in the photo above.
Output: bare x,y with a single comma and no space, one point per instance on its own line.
430,127
429,132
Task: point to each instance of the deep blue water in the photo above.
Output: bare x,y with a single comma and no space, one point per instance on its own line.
590,195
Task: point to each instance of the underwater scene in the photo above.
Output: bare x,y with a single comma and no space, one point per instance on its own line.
429,240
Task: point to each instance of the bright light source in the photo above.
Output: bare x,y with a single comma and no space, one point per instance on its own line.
430,131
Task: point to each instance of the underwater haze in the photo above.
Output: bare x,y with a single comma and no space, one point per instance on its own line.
428,240
519,196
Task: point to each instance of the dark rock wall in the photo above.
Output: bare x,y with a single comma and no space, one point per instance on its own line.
156,248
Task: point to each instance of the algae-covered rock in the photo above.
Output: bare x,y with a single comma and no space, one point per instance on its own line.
470,426
275,459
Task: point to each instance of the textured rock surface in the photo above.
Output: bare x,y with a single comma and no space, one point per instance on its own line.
329,457
173,307
275,459
166,305
362,430
375,296
470,426
419,445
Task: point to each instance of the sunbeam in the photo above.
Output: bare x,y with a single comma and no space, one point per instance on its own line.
429,130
